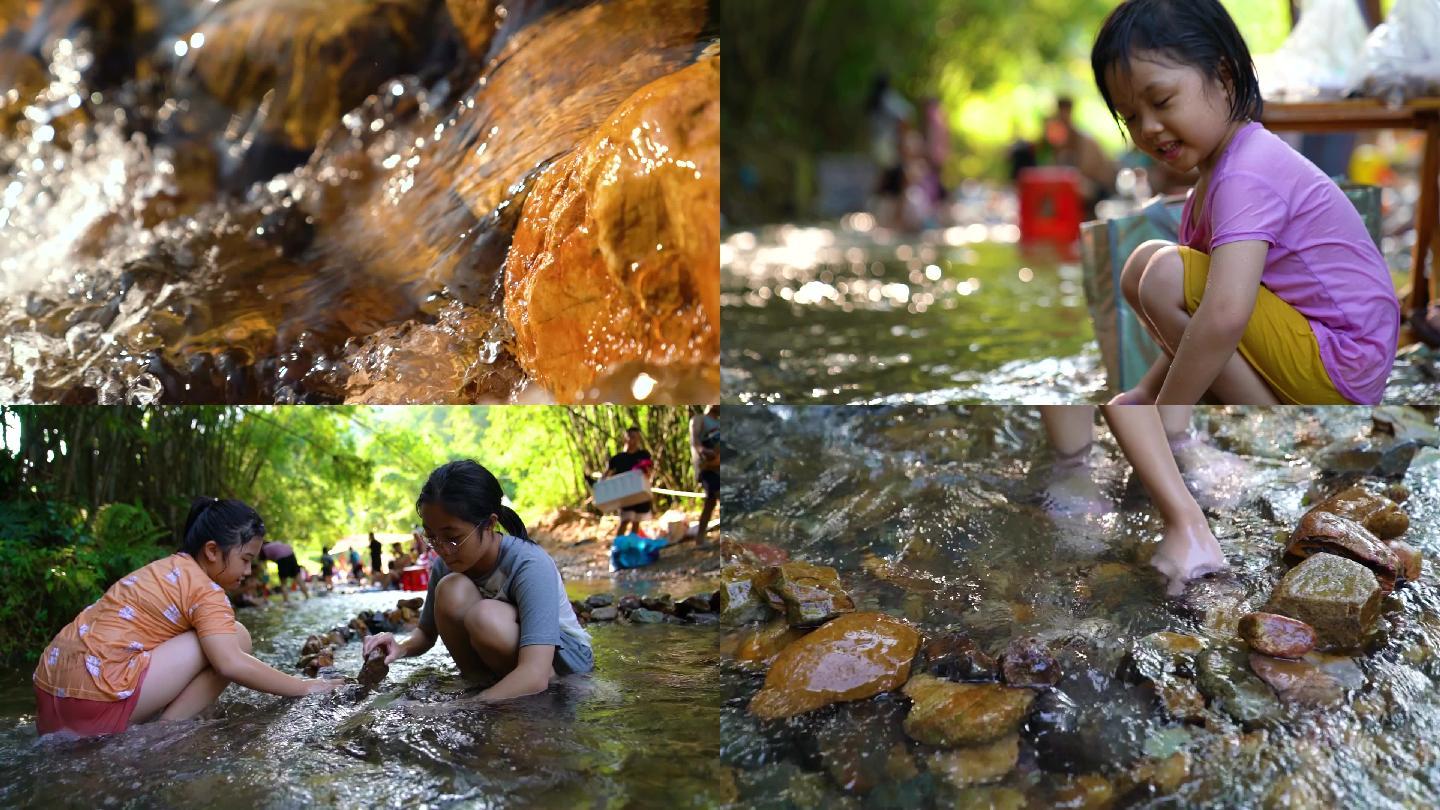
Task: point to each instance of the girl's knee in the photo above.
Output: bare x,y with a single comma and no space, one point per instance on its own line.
454,595
1163,278
1135,267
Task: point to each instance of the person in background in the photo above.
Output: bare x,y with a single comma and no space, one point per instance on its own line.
375,569
286,566
357,568
891,120
327,568
705,457
1064,144
633,457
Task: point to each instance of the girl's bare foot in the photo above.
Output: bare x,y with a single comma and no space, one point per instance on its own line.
1187,551
1072,491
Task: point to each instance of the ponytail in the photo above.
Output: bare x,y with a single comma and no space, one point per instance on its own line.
229,523
472,493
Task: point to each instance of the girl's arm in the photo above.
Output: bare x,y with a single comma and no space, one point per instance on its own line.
1215,330
234,664
530,675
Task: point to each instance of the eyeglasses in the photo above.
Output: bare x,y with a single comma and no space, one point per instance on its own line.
449,545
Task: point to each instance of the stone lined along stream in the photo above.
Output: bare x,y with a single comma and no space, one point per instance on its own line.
639,732
384,201
1081,684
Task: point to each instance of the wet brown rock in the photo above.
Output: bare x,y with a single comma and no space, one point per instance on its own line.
1088,791
1162,776
1379,514
760,646
375,669
1278,636
358,625
1318,680
741,601
955,657
312,664
411,604
476,21
22,78
312,645
1397,492
614,267
851,658
1411,561
1339,597
807,594
950,714
1334,534
976,765
315,59
1026,662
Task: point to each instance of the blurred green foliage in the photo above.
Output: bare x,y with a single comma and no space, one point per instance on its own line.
797,77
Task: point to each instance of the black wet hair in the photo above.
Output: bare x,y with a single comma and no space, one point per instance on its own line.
229,523
1194,33
633,429
472,493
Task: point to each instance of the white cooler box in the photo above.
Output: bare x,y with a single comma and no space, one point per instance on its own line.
626,489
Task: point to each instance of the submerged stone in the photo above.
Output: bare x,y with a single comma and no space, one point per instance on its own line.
980,764
375,669
1317,680
955,657
614,268
807,594
862,745
1343,537
760,646
853,657
1027,662
1278,636
950,714
314,60
1339,597
741,601
1224,676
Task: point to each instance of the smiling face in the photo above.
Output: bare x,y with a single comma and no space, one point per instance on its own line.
228,567
446,529
1174,113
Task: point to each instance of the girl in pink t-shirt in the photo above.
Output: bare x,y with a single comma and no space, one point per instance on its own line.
1276,293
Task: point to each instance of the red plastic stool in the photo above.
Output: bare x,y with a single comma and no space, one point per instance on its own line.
1050,209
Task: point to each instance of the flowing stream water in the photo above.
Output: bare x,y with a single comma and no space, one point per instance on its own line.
639,731
291,200
935,514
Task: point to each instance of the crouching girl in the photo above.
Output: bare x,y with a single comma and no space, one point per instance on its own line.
162,643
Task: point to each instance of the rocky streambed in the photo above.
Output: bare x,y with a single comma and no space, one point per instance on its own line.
906,625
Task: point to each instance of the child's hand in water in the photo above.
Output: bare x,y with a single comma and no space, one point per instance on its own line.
387,642
316,686
1187,551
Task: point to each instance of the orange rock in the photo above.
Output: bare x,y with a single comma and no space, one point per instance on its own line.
476,21
807,594
614,271
760,646
1410,560
962,714
852,658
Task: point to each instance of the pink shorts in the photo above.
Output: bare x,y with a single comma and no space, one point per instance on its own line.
85,718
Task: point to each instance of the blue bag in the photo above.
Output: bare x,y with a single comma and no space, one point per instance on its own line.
634,551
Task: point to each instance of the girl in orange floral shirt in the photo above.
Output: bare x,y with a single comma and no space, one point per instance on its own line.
162,643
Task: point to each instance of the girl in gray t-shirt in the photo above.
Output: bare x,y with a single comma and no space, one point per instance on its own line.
496,598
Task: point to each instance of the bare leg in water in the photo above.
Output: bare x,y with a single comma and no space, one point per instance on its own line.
1188,549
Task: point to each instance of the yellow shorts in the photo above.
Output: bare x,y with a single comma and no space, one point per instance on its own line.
1278,342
